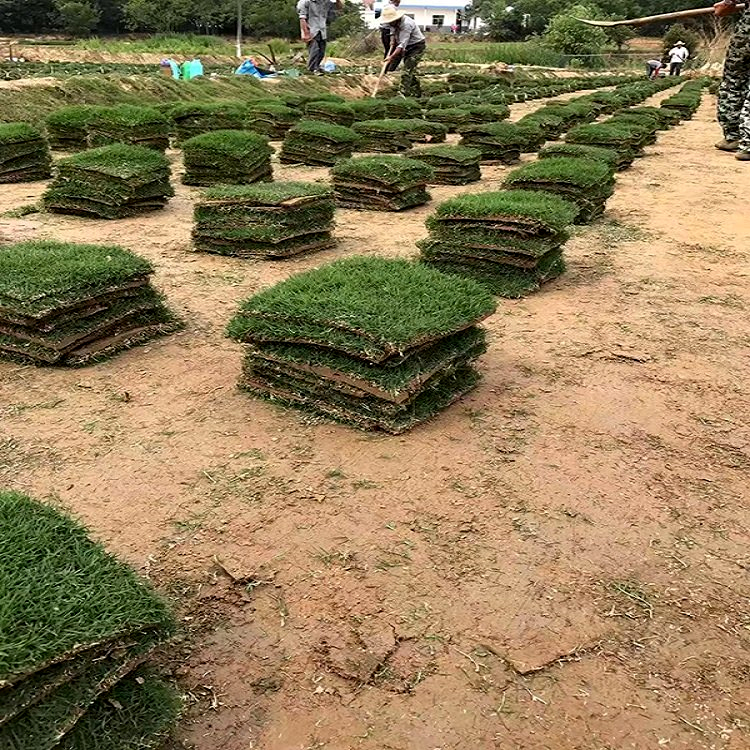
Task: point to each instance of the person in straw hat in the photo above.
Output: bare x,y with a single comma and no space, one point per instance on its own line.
677,56
407,43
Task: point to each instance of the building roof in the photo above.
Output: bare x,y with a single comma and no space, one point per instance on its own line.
429,4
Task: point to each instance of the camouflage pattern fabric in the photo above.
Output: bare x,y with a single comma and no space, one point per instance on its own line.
409,80
734,92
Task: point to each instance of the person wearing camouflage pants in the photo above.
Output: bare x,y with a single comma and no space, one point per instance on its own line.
733,108
408,42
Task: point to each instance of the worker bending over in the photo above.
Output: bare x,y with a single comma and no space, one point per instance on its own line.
407,43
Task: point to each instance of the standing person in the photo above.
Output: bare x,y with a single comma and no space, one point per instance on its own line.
734,93
653,68
313,23
385,35
677,56
407,43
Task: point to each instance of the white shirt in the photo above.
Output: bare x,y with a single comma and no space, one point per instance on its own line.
678,54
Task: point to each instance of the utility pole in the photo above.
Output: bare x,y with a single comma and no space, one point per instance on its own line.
239,29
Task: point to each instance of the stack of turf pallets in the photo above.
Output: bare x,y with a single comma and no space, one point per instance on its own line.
67,304
377,343
510,241
479,114
368,109
229,157
643,128
554,150
319,144
271,120
67,127
549,123
137,126
451,165
393,136
616,136
452,117
333,112
24,154
77,629
111,182
194,118
381,183
402,108
499,142
585,182
664,118
275,220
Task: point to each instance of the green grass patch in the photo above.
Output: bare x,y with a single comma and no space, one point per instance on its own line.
227,157
125,123
318,143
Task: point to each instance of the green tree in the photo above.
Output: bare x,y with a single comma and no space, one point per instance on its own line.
619,35
78,18
272,18
569,36
504,23
348,21
680,33
155,15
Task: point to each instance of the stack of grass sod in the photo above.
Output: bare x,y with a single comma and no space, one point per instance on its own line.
393,136
498,142
510,241
402,108
195,118
77,628
67,128
69,304
318,143
664,118
368,109
373,342
274,220
228,157
452,117
686,101
607,155
548,123
333,112
125,123
271,120
571,113
381,183
478,114
451,165
24,154
111,182
616,136
585,182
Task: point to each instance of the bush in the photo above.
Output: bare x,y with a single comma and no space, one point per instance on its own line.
78,18
567,35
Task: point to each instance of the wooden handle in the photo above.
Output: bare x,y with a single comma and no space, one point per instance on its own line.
693,13
380,79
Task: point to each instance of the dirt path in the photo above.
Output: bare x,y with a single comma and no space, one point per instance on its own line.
558,562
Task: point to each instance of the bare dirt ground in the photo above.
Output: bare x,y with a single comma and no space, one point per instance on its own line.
559,562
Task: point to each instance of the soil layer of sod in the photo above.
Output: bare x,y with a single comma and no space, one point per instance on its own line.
74,623
377,343
381,183
228,157
451,165
274,220
67,304
24,154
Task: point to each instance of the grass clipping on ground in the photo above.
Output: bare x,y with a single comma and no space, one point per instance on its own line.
270,220
74,623
510,241
69,304
378,343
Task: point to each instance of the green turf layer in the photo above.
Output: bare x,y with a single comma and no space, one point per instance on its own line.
125,123
227,157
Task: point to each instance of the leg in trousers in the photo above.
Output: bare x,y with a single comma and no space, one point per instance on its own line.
409,78
735,82
316,52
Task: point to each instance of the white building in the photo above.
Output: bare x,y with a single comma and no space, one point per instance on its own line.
432,15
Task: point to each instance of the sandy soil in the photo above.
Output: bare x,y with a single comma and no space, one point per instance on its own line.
558,562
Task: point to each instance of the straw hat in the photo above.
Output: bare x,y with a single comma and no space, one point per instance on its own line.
391,14
680,44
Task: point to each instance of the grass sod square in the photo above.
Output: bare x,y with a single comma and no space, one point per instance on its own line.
402,108
125,123
67,127
578,150
227,157
138,713
318,143
63,592
499,142
453,118
397,380
368,109
271,120
441,394
478,114
385,183
195,118
451,165
333,112
367,307
616,136
110,182
663,117
24,154
550,124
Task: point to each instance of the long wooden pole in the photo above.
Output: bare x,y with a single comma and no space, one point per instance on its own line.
694,13
380,79
239,30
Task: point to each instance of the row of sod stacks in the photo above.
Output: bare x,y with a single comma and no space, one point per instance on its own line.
451,165
77,629
368,109
499,142
271,120
230,157
587,183
273,220
318,144
686,101
333,112
24,154
68,127
393,136
615,136
373,342
597,153
381,183
65,304
137,126
111,182
510,241
195,118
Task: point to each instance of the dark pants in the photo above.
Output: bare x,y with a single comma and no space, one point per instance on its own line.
316,52
385,37
675,68
409,78
652,71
